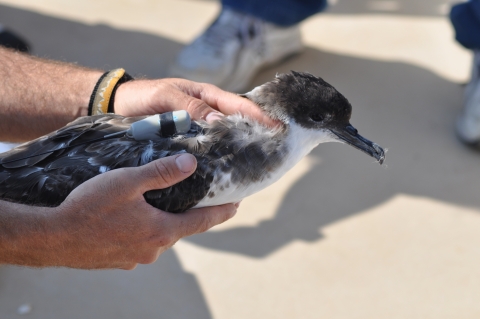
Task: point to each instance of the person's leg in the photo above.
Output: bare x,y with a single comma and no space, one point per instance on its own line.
280,12
245,37
465,18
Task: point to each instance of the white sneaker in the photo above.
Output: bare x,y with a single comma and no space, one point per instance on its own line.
234,48
468,123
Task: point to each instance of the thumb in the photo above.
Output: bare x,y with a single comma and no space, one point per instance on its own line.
164,172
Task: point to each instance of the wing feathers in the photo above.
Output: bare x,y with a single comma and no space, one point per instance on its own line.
227,146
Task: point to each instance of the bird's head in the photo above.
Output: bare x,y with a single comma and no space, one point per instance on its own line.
313,104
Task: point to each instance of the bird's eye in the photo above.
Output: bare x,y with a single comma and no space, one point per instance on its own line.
316,117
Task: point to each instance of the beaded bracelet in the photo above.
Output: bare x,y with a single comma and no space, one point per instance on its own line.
103,95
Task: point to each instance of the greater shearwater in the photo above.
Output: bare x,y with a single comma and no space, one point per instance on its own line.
236,155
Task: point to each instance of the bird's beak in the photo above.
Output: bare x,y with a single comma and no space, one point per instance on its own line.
348,134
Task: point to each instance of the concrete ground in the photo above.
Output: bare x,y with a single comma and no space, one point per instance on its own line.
339,236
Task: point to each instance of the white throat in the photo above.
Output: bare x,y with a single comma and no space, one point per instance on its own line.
299,142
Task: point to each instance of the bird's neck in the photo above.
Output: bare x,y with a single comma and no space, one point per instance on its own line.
300,142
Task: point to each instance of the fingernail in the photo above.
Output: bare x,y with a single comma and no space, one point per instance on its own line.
185,163
214,116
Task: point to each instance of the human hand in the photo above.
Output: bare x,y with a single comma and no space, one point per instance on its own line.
203,101
106,222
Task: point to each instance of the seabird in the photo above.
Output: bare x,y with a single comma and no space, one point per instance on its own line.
236,155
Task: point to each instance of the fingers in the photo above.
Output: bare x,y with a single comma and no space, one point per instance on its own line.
130,266
166,172
171,227
180,96
199,110
226,102
158,174
199,220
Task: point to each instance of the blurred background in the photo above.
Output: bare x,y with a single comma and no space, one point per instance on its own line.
339,236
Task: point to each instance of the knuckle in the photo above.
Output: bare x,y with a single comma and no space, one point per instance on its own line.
208,87
229,212
196,106
149,258
166,240
200,226
212,217
164,173
162,86
207,223
131,266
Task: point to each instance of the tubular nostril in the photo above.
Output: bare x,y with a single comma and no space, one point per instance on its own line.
350,129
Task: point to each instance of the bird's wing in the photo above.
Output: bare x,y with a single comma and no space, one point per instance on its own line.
79,131
46,180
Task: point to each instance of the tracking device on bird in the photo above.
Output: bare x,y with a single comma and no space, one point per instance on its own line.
165,125
150,128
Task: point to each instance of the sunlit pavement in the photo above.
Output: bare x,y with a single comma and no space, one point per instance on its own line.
339,236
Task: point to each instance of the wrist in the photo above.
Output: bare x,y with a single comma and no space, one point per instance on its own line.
103,95
131,97
120,98
91,80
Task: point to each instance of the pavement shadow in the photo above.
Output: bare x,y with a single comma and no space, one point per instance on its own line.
160,290
408,110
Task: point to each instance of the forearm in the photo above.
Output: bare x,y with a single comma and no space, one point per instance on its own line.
39,96
23,235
